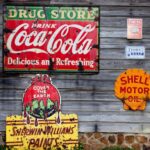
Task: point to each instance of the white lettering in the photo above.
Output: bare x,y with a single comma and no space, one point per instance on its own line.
80,45
12,13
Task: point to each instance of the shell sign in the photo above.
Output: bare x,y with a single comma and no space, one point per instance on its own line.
42,125
133,88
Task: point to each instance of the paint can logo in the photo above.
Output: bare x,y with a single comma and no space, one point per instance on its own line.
41,99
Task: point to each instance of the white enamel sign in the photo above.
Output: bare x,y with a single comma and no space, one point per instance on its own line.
135,52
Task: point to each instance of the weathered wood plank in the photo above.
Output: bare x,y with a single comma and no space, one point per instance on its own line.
121,43
98,107
6,113
112,32
105,113
113,127
45,2
124,64
1,31
106,127
18,83
82,2
2,126
145,128
106,11
23,82
128,11
118,53
6,82
112,2
120,22
103,75
10,105
141,3
1,19
6,94
140,11
112,117
92,107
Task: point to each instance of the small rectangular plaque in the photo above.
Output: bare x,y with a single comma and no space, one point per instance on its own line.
134,28
135,52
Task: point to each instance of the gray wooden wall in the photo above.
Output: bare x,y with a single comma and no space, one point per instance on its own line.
92,96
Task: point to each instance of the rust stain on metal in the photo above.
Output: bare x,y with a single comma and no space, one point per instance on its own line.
95,46
6,30
51,64
80,67
6,52
96,18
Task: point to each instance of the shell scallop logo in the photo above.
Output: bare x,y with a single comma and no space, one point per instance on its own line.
133,88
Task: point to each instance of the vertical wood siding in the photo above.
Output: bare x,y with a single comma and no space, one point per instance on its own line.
92,96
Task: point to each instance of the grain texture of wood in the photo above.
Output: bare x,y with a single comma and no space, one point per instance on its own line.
92,96
121,22
22,83
74,2
126,11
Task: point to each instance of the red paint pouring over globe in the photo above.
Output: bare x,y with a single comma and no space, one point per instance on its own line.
41,99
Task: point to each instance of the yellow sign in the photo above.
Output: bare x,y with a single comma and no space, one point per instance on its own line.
48,134
133,88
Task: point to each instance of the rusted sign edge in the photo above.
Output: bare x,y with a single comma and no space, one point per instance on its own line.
53,71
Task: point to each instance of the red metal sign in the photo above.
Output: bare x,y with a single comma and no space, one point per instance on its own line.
41,99
134,28
52,39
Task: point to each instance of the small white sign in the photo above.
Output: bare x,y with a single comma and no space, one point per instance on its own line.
135,52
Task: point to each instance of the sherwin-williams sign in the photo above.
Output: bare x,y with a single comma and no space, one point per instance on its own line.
47,135
42,125
51,39
133,88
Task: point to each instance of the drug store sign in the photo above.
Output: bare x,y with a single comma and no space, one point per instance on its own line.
51,39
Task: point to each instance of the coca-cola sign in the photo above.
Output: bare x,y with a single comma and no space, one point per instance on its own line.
51,39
